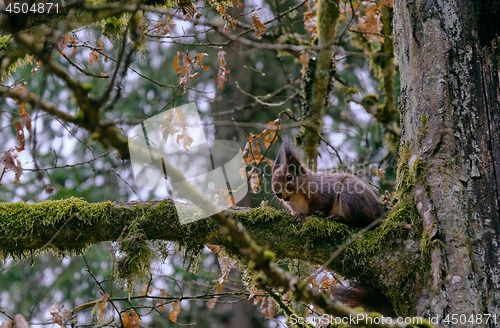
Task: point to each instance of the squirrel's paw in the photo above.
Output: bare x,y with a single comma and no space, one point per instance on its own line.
299,217
337,218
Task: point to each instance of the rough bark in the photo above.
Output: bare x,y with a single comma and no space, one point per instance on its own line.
450,142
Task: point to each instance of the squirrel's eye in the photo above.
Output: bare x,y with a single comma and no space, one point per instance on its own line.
289,177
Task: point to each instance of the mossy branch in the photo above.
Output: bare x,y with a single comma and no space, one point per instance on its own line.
69,226
327,17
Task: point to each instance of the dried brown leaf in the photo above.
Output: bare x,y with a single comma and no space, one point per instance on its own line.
310,20
221,76
174,311
145,289
213,248
254,181
268,308
303,60
160,303
6,324
93,57
101,306
257,24
226,264
11,163
131,319
174,124
211,304
58,313
186,70
20,322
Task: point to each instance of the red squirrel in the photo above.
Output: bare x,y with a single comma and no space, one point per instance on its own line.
341,196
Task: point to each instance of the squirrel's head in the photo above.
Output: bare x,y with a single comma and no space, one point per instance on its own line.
288,171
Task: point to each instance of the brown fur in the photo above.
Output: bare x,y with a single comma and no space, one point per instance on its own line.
341,196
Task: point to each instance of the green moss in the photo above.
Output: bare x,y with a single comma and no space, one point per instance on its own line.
350,90
4,41
68,227
423,120
114,26
269,255
321,228
411,168
23,222
11,57
134,262
404,181
422,130
369,101
260,214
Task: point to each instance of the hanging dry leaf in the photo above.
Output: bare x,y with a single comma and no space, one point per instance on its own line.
37,67
211,304
254,294
257,24
68,42
160,303
186,72
11,163
213,248
237,3
58,313
174,124
370,22
254,181
226,264
24,120
174,311
93,57
145,289
131,319
164,26
199,57
20,124
310,20
304,58
221,76
20,322
6,324
268,307
101,306
270,134
380,172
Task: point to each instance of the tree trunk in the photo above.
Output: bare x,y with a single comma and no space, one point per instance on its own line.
450,142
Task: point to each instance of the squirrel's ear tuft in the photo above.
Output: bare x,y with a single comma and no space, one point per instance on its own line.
280,159
294,164
292,155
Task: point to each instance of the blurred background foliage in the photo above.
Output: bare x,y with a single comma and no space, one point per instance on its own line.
263,85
